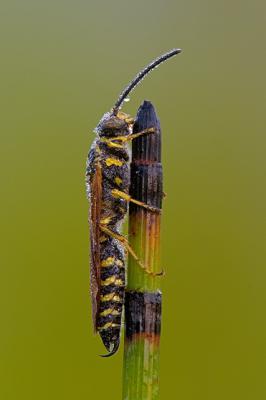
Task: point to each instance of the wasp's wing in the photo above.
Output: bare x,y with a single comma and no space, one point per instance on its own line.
95,210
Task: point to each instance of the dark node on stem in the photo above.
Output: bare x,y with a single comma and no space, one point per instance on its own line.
143,313
143,297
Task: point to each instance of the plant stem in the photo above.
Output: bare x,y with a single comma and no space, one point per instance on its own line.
143,296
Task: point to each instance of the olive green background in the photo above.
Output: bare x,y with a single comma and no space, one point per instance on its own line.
63,64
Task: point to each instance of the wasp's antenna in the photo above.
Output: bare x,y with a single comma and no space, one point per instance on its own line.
141,75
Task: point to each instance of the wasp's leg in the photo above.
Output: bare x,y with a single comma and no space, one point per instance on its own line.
122,195
112,142
131,136
127,246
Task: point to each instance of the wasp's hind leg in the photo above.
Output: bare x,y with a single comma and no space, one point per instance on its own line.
127,246
122,195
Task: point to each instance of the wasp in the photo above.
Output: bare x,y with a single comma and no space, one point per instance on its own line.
107,184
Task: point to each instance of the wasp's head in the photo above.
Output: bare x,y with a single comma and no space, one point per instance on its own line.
114,125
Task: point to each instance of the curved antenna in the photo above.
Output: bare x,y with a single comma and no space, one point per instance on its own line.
141,75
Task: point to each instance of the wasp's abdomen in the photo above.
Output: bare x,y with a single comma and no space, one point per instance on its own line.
115,175
112,288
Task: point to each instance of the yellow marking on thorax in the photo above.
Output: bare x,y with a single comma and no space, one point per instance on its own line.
105,221
109,311
112,280
107,326
107,262
118,180
111,297
113,161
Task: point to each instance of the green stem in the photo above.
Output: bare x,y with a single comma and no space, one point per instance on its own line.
143,296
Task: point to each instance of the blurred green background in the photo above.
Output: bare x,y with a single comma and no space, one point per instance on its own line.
63,63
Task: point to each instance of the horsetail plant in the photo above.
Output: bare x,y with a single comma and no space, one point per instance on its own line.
143,295
108,181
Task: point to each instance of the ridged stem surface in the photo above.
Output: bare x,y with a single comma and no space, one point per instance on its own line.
143,296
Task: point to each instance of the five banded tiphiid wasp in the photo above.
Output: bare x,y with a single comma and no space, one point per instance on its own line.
107,180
